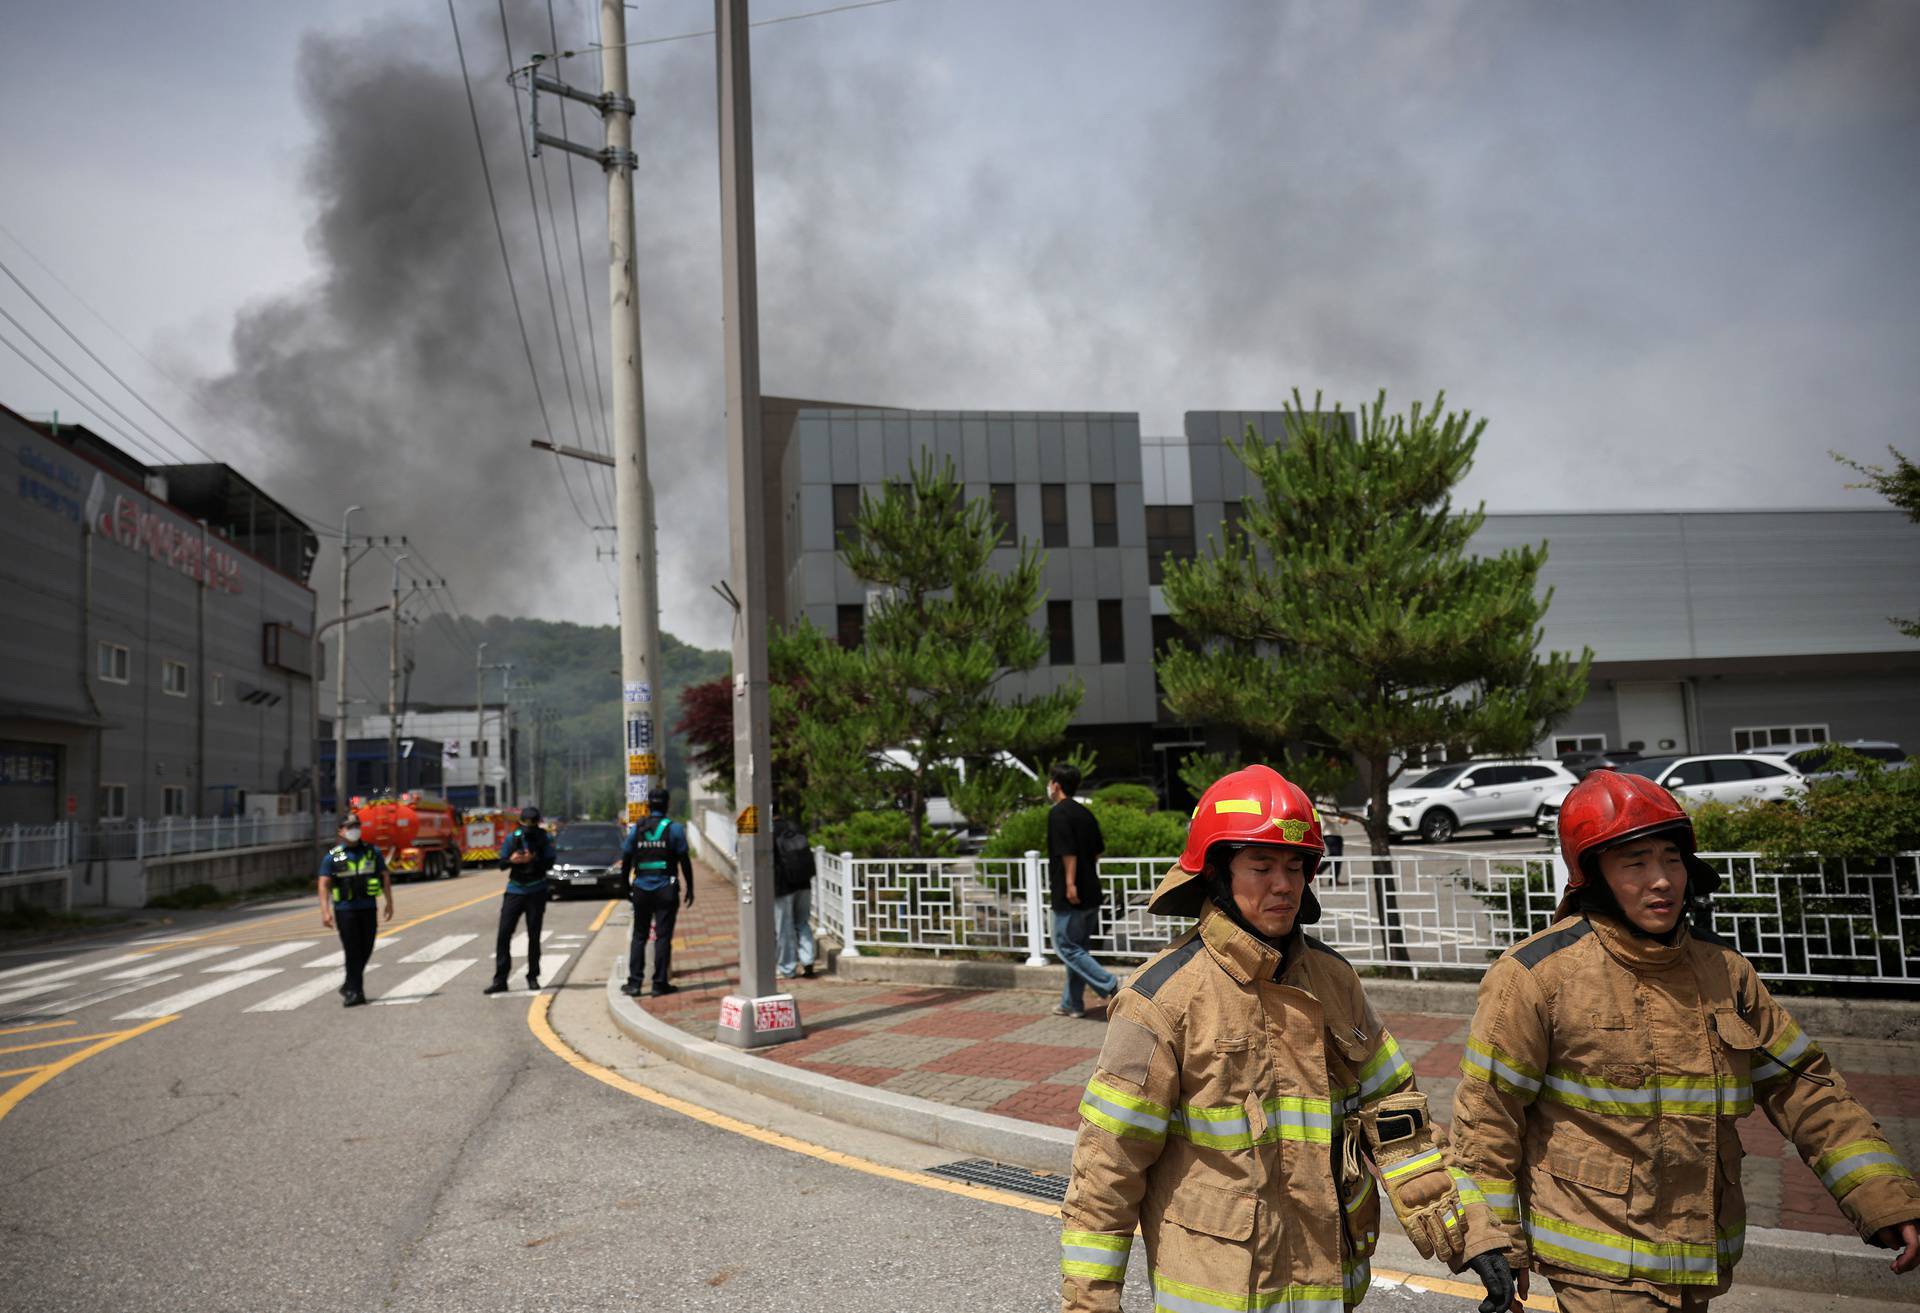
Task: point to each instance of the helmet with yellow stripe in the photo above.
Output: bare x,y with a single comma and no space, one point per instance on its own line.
1253,805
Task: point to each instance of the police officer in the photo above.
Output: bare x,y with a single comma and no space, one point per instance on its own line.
528,854
353,877
656,847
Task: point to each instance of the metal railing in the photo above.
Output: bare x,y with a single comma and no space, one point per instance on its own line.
26,848
1446,911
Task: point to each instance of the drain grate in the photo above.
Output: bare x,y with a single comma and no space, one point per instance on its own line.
1050,1186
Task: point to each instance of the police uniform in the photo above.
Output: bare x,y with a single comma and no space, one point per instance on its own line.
359,874
654,849
526,896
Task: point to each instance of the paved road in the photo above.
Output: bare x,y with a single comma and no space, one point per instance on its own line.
194,1122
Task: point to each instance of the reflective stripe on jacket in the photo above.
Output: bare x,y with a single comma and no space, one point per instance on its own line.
1604,1076
355,876
1214,1122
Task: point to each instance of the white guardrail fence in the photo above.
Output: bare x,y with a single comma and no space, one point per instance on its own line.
1835,921
30,848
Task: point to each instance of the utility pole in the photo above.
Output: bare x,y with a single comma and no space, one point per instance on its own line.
340,684
638,596
393,683
757,1015
479,725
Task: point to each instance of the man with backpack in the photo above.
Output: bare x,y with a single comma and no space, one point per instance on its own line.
656,846
792,901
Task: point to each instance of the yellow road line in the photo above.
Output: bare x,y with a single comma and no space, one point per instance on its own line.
544,1032
245,927
38,1025
419,920
11,1099
601,919
24,1071
56,1043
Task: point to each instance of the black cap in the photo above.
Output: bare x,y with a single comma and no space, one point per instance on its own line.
657,800
531,815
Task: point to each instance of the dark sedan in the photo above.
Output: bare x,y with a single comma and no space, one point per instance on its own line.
586,859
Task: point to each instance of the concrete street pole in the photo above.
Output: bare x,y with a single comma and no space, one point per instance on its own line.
639,613
393,684
340,684
479,725
757,1015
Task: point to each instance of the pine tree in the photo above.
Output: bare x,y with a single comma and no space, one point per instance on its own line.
1350,613
1900,486
942,633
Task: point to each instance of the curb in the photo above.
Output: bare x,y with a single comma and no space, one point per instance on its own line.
964,1131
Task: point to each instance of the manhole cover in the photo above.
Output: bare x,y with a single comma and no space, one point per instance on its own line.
1004,1176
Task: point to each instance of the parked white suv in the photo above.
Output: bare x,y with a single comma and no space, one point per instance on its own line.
1501,796
1721,777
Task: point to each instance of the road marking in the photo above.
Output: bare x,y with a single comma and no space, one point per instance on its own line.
426,982
605,912
549,965
75,1002
42,1025
518,948
332,958
159,964
303,993
11,1099
421,920
53,978
187,998
263,955
24,1071
439,948
56,1043
162,943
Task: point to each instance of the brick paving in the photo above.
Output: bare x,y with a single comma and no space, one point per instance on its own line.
1002,1051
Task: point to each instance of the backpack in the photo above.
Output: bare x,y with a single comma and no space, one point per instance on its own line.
792,859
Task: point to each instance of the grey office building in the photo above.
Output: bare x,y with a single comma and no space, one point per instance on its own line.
1711,631
156,655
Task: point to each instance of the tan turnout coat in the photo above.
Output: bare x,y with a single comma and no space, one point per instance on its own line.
1602,1083
1213,1123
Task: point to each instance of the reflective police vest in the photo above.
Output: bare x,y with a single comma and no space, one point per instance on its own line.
651,852
355,877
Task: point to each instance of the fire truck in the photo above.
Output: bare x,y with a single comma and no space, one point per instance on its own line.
417,835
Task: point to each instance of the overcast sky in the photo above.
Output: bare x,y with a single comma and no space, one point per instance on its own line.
1667,250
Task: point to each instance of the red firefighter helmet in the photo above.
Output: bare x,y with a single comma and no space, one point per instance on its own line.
1253,805
1607,808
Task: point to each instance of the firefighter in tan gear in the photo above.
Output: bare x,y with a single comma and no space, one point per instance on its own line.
1611,1056
1243,1086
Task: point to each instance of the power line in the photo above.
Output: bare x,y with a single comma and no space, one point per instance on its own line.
493,204
15,348
689,36
579,246
154,448
95,357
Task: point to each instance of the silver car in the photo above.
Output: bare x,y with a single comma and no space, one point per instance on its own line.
1501,796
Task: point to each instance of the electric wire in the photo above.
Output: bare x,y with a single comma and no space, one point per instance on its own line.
77,399
546,271
153,446
579,245
493,204
689,36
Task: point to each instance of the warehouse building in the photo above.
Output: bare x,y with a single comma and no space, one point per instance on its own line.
1712,631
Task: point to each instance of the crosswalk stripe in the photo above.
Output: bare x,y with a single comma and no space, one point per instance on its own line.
332,959
60,1007
68,973
423,983
199,994
519,945
267,954
439,948
156,965
304,992
549,964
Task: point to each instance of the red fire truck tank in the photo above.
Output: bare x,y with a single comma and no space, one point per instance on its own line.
417,835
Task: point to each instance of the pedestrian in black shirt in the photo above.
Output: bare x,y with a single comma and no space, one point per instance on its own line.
1074,845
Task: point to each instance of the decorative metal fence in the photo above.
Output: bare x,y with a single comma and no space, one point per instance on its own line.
35,848
1834,921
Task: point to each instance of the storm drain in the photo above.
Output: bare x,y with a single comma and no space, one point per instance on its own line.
1004,1176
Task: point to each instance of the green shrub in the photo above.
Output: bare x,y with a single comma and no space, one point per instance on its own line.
879,834
1128,832
1875,813
1137,796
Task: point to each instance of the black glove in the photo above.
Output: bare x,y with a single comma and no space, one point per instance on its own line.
1497,1277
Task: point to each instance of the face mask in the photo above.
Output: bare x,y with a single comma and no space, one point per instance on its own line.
351,834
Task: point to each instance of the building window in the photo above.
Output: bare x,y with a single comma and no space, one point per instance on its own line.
173,678
1053,515
112,663
1165,630
1005,511
173,800
1778,736
1566,743
1060,633
113,802
1169,533
850,622
846,512
1106,515
1113,638
219,685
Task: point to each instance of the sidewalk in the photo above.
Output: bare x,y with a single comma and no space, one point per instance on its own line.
1002,1052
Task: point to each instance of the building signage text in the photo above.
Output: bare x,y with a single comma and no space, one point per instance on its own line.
185,549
